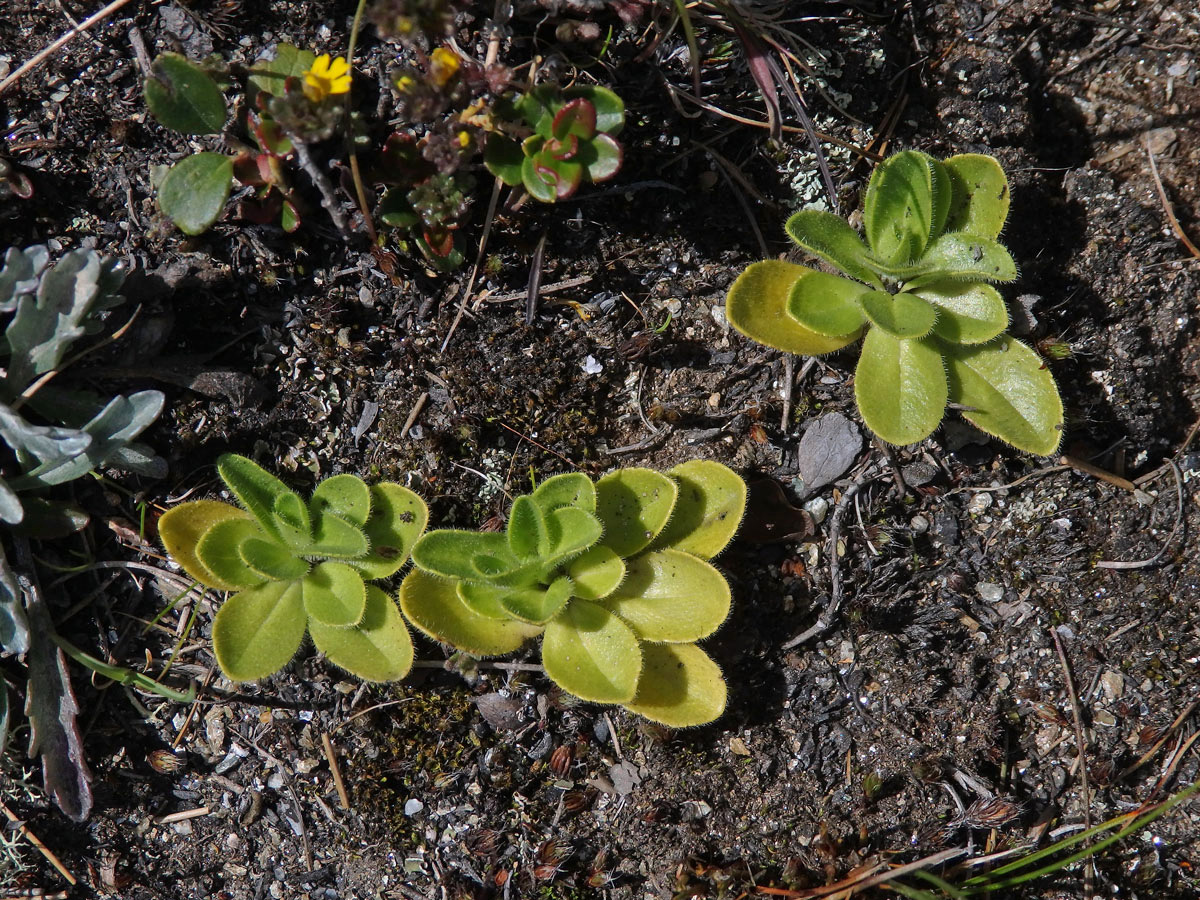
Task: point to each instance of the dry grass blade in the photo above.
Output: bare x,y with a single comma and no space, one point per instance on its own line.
1153,560
1166,204
41,848
62,41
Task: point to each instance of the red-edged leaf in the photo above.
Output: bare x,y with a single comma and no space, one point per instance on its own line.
577,117
567,148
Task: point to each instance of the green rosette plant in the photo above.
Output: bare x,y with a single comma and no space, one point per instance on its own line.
613,575
573,140
918,290
294,567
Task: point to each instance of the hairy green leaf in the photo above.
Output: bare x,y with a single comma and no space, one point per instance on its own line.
346,496
452,553
900,315
379,648
220,552
900,386
634,505
968,312
957,255
183,97
710,506
942,195
979,192
1009,392
571,489
826,304
397,519
898,212
537,605
589,652
181,529
596,572
671,596
830,237
432,604
680,686
757,307
271,560
334,536
292,521
194,191
254,487
334,595
256,632
570,531
527,534
484,599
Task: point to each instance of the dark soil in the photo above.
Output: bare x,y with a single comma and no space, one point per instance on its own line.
939,685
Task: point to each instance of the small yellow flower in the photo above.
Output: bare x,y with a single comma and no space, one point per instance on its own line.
443,65
326,77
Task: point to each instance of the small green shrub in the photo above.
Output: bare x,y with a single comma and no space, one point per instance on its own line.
573,140
613,575
919,292
296,566
293,97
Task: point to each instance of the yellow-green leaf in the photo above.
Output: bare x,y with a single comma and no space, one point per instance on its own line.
589,652
596,572
432,604
256,632
831,238
680,686
181,528
898,210
979,195
826,304
757,307
900,315
671,596
633,505
969,312
708,511
900,386
1009,392
379,648
334,595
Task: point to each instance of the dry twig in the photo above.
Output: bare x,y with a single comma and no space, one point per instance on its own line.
41,848
1166,204
37,59
829,614
1153,560
335,771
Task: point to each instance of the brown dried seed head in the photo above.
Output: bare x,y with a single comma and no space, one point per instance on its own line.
166,762
561,760
991,813
578,801
483,841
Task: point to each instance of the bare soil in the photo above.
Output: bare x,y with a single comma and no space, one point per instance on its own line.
939,685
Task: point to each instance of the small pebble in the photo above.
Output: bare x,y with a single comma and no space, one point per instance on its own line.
919,524
818,508
989,592
413,806
979,504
